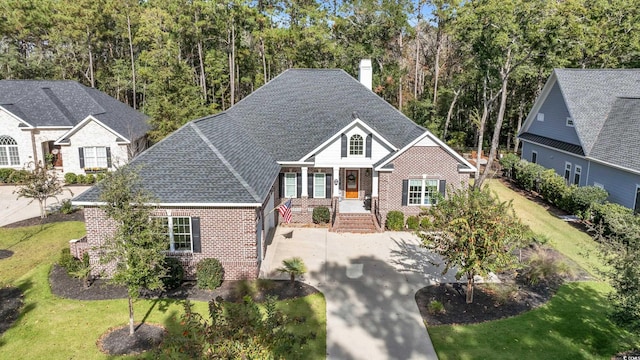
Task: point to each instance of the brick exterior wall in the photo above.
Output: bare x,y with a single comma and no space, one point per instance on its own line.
301,208
417,161
228,234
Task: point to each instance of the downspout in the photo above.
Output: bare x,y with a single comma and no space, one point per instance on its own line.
588,171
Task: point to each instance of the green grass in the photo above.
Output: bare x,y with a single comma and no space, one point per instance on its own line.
573,243
573,325
53,328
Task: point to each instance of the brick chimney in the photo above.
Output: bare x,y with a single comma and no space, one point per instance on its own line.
366,73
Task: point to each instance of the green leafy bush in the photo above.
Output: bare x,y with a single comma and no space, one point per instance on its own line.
413,223
5,174
615,219
528,175
68,261
209,273
81,179
425,222
18,176
175,274
100,176
508,162
581,199
553,187
70,178
395,220
66,207
91,179
321,215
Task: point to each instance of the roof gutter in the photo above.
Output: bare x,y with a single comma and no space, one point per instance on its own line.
233,205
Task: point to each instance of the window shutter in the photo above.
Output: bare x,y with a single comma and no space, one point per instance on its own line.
108,157
281,184
443,187
310,185
81,151
328,185
405,192
299,184
195,235
368,144
344,146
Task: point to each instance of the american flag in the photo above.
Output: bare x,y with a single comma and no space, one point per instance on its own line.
285,211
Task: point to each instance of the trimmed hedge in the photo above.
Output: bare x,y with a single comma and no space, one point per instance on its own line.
613,218
175,274
209,273
580,199
321,215
413,223
395,220
508,163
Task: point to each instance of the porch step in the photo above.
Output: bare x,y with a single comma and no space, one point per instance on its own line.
355,223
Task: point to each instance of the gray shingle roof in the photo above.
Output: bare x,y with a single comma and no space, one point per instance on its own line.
67,103
618,140
231,157
590,94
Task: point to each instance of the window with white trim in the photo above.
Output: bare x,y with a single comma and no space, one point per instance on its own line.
290,185
576,175
534,157
567,172
356,145
422,192
540,117
179,233
569,122
319,185
9,151
95,157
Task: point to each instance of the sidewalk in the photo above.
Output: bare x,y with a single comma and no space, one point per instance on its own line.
14,209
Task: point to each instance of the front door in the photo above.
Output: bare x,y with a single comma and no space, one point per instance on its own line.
352,184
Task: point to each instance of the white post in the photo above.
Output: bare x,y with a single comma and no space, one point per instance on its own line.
336,181
305,185
374,184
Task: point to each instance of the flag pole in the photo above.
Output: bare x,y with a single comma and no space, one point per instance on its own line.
277,207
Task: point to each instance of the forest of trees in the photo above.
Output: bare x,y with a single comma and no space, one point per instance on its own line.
467,70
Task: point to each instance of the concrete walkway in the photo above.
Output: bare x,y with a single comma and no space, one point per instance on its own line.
14,209
369,282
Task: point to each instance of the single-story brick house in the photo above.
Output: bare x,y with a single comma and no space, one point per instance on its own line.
72,127
318,137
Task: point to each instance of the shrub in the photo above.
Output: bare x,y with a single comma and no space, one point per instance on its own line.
528,175
175,273
553,187
68,261
18,176
413,223
425,222
501,293
91,179
294,267
395,220
543,267
100,176
82,270
70,178
321,215
66,207
209,273
5,174
435,307
508,162
614,218
581,199
81,179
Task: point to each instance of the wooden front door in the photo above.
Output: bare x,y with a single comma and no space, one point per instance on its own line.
351,188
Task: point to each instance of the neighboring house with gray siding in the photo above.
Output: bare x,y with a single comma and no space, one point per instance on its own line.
75,128
317,137
586,126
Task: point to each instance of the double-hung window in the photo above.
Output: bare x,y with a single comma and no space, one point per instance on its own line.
567,172
422,192
576,175
319,185
8,151
290,185
179,233
95,157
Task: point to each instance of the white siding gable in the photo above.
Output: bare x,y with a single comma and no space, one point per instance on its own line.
330,154
10,126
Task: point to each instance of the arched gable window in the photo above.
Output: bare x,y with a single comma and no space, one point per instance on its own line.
8,151
356,145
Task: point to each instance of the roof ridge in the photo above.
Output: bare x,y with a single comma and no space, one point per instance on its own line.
226,163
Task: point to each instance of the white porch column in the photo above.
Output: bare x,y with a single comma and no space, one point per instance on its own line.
374,184
305,185
336,181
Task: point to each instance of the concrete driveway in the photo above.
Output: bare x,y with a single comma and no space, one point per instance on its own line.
369,282
14,209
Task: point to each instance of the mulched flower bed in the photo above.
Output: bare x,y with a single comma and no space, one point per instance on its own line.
10,304
117,341
77,215
64,286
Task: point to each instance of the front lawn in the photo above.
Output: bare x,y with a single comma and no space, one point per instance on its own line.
53,328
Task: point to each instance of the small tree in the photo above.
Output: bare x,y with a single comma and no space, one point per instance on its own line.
40,184
474,232
136,248
294,267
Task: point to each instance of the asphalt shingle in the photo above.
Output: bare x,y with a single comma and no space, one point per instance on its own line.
618,140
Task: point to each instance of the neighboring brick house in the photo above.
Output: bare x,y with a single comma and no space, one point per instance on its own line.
72,127
318,137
